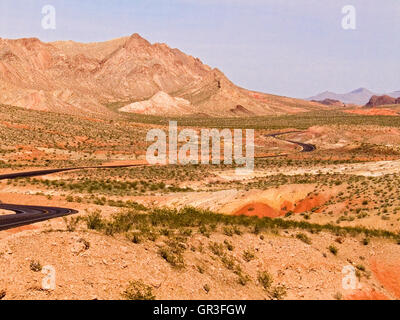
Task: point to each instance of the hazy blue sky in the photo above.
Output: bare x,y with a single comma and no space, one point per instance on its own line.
287,47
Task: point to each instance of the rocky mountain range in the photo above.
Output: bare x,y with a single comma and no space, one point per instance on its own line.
359,96
85,78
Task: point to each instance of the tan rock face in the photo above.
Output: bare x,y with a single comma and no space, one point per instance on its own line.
71,77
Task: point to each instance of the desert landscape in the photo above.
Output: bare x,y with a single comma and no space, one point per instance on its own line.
323,195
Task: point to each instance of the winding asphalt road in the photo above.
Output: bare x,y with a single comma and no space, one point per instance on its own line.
306,147
30,214
26,215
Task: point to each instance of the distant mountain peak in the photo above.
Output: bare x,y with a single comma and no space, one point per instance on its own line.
360,90
358,96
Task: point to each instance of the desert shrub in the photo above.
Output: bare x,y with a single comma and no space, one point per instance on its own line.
71,223
217,248
278,292
135,238
94,221
303,237
360,267
333,250
248,255
229,262
228,231
265,279
35,266
173,253
229,245
137,290
365,241
207,222
243,279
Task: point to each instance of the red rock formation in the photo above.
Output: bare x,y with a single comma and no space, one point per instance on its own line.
382,100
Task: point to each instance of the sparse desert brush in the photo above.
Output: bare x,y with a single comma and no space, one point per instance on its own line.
206,221
333,250
173,251
366,241
243,279
204,231
229,245
135,237
173,256
71,223
229,262
278,292
298,121
248,255
228,231
303,237
35,266
94,221
137,290
360,267
265,279
217,249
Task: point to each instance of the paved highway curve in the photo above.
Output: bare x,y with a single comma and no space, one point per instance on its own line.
26,215
306,147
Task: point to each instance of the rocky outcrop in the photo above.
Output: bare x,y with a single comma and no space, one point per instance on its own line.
376,101
240,110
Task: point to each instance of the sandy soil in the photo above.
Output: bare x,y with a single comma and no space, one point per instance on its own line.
104,270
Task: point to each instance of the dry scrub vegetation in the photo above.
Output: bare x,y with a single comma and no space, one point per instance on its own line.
181,236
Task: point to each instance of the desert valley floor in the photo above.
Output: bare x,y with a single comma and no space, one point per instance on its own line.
284,231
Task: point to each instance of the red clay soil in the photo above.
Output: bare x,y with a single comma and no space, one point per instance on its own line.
309,203
261,210
286,206
388,275
258,209
367,295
